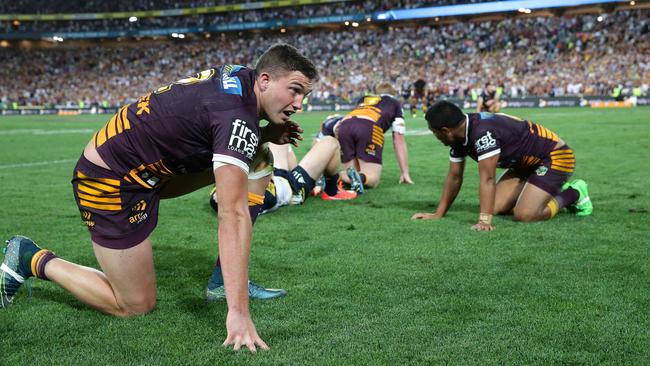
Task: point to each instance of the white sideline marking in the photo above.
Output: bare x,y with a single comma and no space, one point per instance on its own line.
24,165
45,132
418,132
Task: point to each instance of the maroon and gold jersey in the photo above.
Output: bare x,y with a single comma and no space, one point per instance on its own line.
186,127
383,110
519,143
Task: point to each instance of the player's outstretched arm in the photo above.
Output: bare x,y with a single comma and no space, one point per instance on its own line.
234,249
399,143
487,170
453,183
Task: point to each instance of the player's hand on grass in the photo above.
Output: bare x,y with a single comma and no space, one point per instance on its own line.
426,216
241,332
286,133
483,226
405,179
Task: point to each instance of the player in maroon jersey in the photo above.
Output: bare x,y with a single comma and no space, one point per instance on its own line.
361,135
538,165
197,131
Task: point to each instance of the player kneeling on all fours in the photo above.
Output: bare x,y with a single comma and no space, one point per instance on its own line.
195,132
361,135
538,164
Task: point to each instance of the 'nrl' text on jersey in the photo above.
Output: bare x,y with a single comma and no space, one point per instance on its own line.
381,109
184,127
519,143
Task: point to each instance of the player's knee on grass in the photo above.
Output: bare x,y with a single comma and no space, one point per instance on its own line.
372,181
524,214
140,306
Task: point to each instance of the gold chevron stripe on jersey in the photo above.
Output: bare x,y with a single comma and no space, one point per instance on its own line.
563,160
118,124
544,132
368,112
157,169
377,135
529,161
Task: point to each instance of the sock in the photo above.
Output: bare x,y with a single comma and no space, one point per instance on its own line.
39,260
255,202
364,178
331,185
566,197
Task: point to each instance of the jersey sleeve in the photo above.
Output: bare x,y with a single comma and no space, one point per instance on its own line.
486,145
456,155
399,125
235,138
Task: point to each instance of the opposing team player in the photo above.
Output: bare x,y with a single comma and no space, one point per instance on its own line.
200,130
488,101
538,164
361,135
258,180
290,184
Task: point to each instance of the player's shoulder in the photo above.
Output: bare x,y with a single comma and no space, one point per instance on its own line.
231,87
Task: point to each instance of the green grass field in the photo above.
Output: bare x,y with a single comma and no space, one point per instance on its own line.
366,285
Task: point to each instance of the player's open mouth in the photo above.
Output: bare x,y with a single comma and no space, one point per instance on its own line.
288,113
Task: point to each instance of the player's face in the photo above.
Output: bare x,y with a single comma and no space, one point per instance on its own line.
282,95
443,136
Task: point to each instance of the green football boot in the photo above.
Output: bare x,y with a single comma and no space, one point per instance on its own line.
16,267
583,206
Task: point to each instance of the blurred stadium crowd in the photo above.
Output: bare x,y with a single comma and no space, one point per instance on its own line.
543,56
97,6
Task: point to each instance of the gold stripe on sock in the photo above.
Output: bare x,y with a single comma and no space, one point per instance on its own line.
35,258
554,207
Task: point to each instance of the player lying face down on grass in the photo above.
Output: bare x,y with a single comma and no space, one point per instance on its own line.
292,181
538,164
197,131
361,135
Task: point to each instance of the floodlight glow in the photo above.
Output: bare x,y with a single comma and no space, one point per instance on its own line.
133,19
181,36
600,18
175,35
355,24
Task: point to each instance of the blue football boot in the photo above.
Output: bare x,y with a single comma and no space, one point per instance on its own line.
216,292
16,267
355,180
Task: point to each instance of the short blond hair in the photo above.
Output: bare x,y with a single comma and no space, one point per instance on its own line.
385,88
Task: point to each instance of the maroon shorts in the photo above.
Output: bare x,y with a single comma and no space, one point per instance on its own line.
119,214
553,172
361,139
